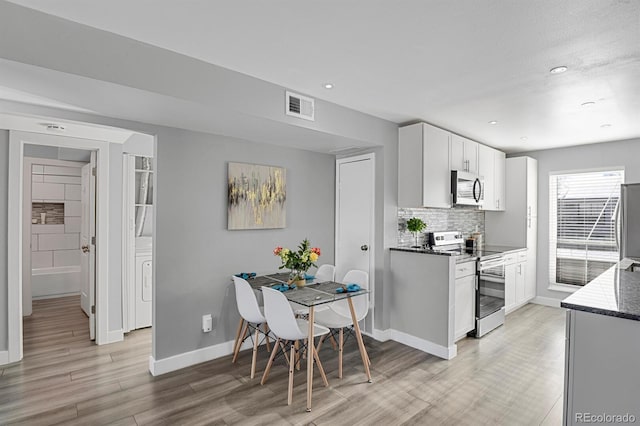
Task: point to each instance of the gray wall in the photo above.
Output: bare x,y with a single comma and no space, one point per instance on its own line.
196,255
4,194
611,154
222,96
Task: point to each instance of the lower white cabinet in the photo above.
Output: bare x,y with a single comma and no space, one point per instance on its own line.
516,288
465,302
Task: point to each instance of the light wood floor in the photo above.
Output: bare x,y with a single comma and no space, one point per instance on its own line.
514,375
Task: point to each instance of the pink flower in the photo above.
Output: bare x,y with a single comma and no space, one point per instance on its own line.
316,250
277,251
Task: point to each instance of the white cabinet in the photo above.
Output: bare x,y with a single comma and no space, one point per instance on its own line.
426,156
491,166
486,169
465,299
515,284
424,179
464,154
517,225
499,169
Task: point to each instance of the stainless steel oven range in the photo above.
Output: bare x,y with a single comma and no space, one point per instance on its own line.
490,289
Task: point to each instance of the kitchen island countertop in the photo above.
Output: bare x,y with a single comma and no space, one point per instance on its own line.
615,292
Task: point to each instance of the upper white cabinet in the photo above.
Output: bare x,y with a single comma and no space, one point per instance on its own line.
499,170
424,178
426,156
491,166
464,154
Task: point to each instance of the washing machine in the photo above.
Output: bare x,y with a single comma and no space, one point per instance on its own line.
143,282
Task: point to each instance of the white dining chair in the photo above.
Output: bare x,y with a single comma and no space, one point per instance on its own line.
289,331
338,314
326,272
252,318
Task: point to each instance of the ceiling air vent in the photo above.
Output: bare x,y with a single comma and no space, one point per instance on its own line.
300,106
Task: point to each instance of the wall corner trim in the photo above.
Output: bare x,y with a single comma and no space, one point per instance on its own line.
546,301
424,345
380,335
114,336
4,357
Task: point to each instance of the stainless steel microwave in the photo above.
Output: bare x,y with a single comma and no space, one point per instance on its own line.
467,188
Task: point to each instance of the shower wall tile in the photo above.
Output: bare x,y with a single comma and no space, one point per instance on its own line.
75,180
72,192
62,171
72,208
72,224
42,259
58,241
467,220
47,229
66,258
47,191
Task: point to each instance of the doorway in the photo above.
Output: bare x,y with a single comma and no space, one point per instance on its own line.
17,142
355,202
58,222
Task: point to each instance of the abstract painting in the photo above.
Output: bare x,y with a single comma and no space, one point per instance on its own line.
256,196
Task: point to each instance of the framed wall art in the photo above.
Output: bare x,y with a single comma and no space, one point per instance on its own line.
256,197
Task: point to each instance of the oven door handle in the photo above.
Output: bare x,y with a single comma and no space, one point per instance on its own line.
488,264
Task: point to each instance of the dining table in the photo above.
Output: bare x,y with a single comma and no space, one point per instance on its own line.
314,294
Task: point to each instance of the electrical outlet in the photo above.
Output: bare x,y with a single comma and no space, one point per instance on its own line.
207,323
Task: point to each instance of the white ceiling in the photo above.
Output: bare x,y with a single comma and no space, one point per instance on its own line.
457,64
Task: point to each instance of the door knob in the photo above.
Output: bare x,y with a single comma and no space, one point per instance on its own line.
364,247
85,249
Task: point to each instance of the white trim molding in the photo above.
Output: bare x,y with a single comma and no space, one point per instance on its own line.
114,336
17,140
546,301
187,359
380,335
425,345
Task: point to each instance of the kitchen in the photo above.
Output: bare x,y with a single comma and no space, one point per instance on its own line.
483,72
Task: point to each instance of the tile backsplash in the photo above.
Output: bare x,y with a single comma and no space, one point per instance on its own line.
464,219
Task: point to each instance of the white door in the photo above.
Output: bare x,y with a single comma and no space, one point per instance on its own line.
87,232
354,216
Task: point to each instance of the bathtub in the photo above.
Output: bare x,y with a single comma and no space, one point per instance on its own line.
55,282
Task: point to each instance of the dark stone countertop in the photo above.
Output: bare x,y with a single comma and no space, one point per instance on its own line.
615,292
462,255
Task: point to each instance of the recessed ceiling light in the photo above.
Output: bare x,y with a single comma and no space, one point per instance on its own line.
493,122
328,85
588,104
524,138
558,70
604,126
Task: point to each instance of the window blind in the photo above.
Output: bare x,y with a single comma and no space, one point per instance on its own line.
582,225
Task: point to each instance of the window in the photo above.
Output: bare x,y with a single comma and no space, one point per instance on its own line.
582,225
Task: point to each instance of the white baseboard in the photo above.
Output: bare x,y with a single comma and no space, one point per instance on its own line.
546,301
424,345
4,357
380,335
55,296
187,359
115,336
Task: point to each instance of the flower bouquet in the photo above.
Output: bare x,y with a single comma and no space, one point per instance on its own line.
298,261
